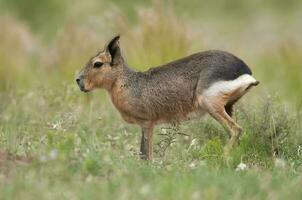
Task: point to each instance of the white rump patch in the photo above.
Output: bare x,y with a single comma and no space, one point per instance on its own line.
242,82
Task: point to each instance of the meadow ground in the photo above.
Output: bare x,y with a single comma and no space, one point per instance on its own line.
59,143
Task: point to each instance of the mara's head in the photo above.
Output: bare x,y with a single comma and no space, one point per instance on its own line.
102,69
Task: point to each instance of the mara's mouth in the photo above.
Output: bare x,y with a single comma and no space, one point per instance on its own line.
84,89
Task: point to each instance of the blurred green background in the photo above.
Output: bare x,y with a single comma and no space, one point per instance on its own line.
59,143
46,42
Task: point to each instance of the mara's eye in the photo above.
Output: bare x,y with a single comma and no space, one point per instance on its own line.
98,64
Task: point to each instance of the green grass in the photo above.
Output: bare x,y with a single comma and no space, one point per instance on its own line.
80,148
59,143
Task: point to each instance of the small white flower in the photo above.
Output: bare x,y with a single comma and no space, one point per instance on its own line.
192,165
53,154
193,143
241,167
57,125
279,162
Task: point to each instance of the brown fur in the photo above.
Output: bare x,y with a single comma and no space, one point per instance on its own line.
172,92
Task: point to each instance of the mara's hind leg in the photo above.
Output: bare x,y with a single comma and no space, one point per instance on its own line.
218,111
229,108
218,101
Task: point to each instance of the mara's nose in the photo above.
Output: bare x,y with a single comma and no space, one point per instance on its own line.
78,81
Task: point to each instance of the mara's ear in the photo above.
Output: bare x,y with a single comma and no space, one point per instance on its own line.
113,48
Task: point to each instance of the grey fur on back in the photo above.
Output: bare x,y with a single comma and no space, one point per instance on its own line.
212,66
208,67
172,86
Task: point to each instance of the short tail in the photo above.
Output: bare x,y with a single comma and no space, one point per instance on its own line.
255,83
229,107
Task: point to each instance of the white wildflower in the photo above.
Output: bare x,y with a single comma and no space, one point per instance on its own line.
193,143
192,165
164,130
57,125
53,154
279,162
241,167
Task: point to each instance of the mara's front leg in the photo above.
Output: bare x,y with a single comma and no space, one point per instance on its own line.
146,149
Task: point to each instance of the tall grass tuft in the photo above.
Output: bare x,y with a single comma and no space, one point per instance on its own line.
18,48
72,48
158,36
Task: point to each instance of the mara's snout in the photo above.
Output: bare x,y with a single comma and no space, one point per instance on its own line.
80,82
206,82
